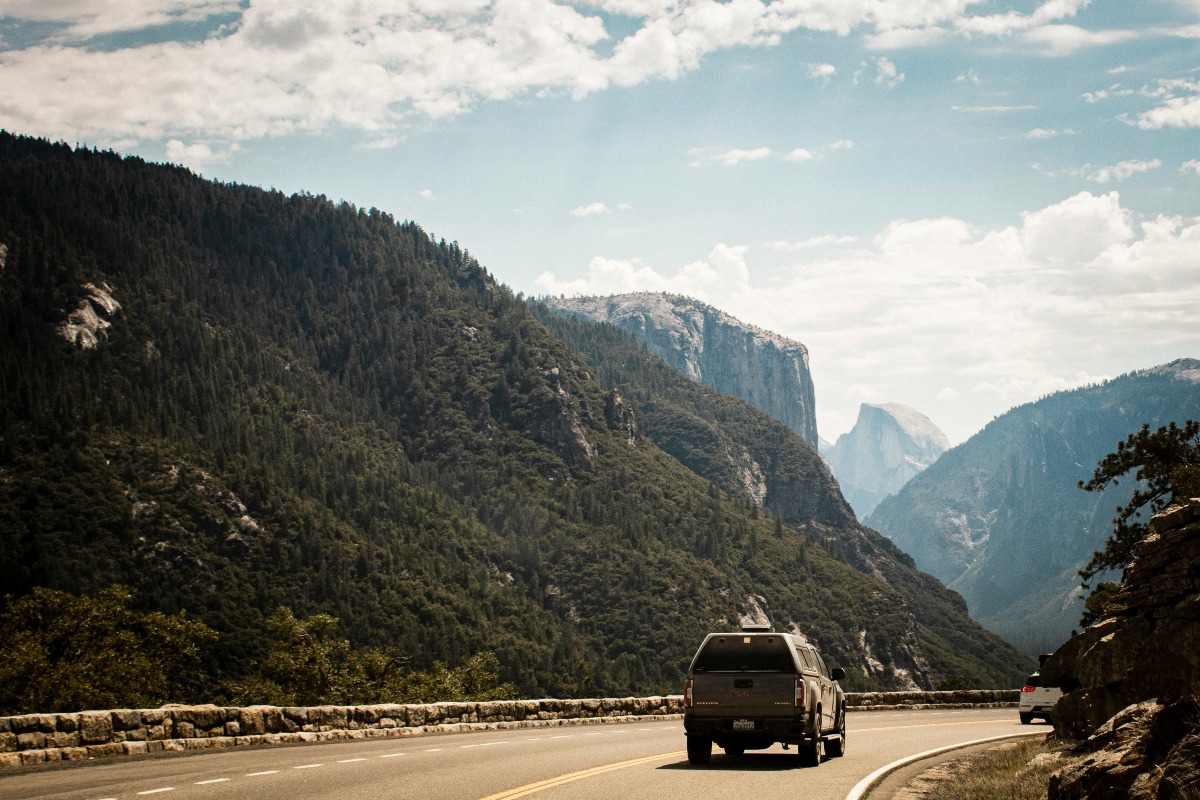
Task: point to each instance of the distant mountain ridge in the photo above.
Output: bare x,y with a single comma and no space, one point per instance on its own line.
768,371
1000,518
888,445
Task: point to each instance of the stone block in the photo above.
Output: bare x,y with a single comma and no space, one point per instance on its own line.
74,754
62,739
251,721
8,742
134,748
35,740
33,757
126,720
67,723
24,723
95,727
153,716
105,750
233,728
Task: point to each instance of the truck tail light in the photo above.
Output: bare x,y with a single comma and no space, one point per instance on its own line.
799,693
1027,688
687,693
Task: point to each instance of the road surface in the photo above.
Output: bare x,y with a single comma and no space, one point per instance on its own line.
634,760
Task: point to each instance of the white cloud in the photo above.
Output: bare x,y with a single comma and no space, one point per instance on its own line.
800,154
887,74
1063,40
426,194
1121,171
194,156
821,71
731,158
1192,166
1045,133
255,68
1180,106
828,240
590,210
78,20
951,318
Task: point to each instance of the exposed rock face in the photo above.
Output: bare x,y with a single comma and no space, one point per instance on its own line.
1134,677
1148,646
558,423
1001,519
889,444
89,322
1148,751
768,371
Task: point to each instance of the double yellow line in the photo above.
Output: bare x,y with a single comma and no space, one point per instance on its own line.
550,783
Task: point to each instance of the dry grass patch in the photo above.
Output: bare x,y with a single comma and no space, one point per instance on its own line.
1015,770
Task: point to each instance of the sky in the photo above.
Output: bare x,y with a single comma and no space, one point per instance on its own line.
957,205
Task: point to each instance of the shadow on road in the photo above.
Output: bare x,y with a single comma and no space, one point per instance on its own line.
749,762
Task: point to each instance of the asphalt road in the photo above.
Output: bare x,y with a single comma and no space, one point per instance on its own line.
636,760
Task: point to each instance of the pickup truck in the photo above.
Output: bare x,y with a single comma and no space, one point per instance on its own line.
749,689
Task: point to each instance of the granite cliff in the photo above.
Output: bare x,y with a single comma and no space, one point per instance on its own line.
712,348
888,445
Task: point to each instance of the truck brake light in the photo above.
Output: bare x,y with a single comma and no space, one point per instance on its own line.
799,693
687,693
1027,688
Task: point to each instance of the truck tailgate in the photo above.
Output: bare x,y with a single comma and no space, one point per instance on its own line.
744,694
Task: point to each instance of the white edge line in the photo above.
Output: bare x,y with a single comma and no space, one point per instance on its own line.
211,780
862,787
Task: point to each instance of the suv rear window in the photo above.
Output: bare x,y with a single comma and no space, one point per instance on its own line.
745,654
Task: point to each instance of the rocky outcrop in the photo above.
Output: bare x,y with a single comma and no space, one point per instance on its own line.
1148,644
558,422
889,444
89,322
766,370
1133,679
1149,751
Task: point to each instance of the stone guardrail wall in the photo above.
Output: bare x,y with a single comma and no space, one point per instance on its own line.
39,738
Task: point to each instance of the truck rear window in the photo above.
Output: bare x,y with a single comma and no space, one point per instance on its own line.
745,654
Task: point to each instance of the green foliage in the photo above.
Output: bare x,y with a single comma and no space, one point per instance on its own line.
1165,464
67,653
308,664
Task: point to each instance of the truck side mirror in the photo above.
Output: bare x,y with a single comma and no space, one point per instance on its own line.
837,673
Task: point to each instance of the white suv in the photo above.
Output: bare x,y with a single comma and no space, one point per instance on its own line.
1037,700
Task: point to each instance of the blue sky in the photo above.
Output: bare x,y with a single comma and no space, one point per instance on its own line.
960,206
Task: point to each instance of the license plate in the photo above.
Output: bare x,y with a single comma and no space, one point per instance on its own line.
743,724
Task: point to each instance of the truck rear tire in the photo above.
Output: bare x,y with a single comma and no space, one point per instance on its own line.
699,749
835,747
809,753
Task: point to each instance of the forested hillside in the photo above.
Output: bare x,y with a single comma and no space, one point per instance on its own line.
230,400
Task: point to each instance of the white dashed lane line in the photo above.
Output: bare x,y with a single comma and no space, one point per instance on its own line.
210,781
